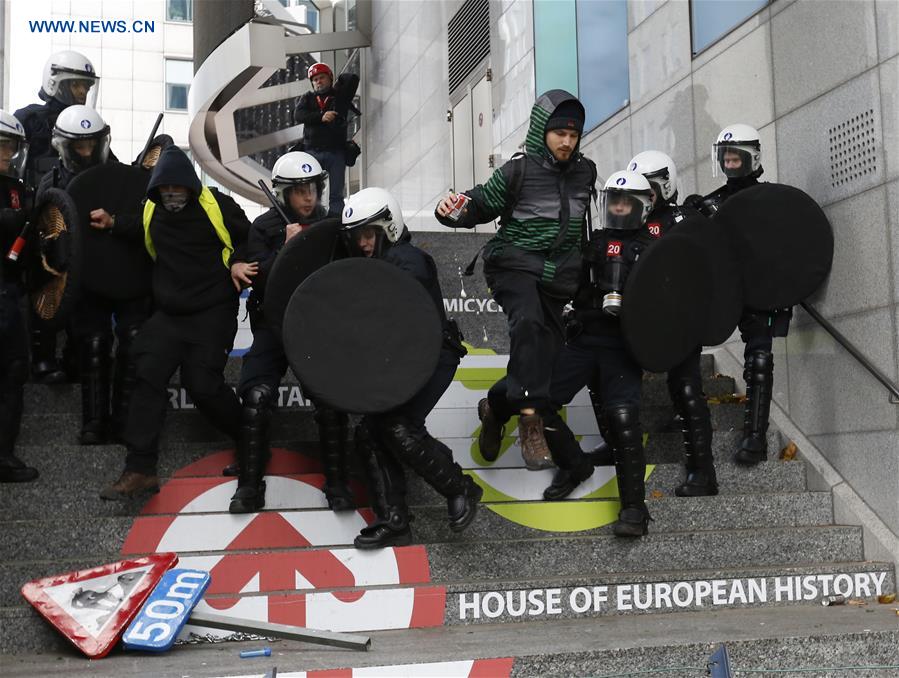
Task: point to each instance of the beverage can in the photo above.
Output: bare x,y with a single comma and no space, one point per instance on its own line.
459,204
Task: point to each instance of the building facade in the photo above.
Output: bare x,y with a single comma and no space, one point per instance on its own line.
816,78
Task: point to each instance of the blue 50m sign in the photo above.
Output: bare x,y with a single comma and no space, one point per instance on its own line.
166,611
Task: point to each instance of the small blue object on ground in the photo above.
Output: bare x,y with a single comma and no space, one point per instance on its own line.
264,652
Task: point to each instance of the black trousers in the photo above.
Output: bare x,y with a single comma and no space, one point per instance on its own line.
413,413
687,371
265,362
758,329
158,354
536,334
13,366
96,314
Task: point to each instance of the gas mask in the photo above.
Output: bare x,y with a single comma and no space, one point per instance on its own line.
173,201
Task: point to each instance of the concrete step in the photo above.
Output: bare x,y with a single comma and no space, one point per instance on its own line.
189,425
81,498
800,637
69,462
66,398
102,539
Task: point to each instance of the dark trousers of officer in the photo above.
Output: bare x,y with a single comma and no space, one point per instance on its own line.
400,436
98,315
603,363
13,367
95,319
158,354
758,329
265,362
535,333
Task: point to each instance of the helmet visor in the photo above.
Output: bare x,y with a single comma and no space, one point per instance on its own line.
76,87
661,185
82,153
365,239
732,160
622,211
13,156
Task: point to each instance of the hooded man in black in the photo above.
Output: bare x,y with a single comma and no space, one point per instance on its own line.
195,236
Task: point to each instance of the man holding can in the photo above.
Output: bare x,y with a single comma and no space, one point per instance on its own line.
532,264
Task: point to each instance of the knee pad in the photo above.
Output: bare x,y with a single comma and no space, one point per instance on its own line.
759,367
126,336
400,434
688,397
624,425
258,398
94,351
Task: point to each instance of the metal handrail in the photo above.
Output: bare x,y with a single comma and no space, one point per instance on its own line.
853,351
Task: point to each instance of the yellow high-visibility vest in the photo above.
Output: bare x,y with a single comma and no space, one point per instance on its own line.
213,211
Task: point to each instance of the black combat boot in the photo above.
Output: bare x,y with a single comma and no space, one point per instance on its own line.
13,469
252,450
433,461
759,375
94,358
124,378
386,490
574,467
630,467
696,425
332,434
45,367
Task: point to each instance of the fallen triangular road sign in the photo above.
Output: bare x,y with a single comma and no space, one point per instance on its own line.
92,607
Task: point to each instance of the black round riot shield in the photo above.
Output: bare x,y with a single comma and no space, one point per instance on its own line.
362,336
119,189
725,285
301,256
783,241
53,265
666,302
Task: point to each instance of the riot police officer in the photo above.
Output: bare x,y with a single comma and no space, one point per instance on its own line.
684,381
595,353
13,339
114,246
301,187
374,227
69,78
737,154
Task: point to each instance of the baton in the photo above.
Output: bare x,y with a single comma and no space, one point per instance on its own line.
140,158
274,201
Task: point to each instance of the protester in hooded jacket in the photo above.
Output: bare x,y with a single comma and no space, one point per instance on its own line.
195,236
533,263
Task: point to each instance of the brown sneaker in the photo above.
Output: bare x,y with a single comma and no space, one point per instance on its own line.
490,438
534,449
131,485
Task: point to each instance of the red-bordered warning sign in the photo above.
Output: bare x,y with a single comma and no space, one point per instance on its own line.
93,607
288,564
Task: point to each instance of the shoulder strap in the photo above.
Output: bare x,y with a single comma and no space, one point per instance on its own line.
518,163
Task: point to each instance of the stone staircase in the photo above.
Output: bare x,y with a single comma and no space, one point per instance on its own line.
543,588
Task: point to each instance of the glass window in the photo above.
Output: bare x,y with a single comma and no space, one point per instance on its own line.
581,46
602,58
555,45
179,10
178,74
711,20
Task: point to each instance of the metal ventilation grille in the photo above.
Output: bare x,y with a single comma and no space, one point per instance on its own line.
852,149
468,40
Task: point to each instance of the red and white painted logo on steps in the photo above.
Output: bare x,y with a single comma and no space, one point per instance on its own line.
296,535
